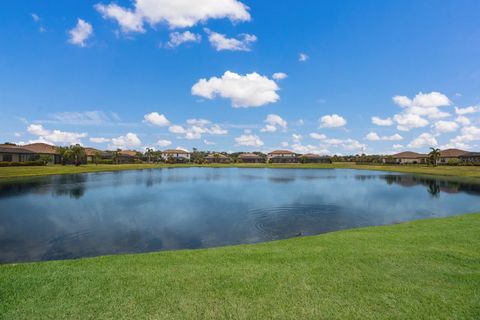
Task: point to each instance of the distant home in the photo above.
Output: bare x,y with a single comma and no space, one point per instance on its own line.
470,157
315,158
12,153
217,158
282,156
450,155
250,158
178,156
43,149
406,157
92,153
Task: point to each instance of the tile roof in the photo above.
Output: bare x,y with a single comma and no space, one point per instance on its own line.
249,155
41,148
6,148
452,153
282,152
175,151
409,155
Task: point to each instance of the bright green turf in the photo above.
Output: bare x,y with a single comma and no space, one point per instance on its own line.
427,269
461,171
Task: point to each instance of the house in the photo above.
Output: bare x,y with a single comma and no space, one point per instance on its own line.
217,158
315,158
12,153
470,157
282,156
93,155
178,156
450,155
126,156
43,149
406,157
250,158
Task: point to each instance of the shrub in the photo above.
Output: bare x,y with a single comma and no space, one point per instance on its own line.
453,162
23,164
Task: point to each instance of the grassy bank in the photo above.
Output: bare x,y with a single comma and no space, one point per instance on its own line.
426,269
460,171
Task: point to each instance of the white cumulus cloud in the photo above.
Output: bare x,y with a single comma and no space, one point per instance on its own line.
156,119
221,43
279,75
302,57
80,33
244,91
445,126
195,128
99,140
318,136
423,140
332,121
408,121
178,38
464,121
128,141
423,105
467,110
249,140
164,143
273,122
55,136
373,136
174,13
382,122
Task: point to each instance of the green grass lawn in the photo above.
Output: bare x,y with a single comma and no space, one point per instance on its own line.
427,269
461,171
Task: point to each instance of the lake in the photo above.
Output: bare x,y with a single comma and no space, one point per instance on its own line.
84,215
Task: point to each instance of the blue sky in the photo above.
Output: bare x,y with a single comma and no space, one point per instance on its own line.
128,74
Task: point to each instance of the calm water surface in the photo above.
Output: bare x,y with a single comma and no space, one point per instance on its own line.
81,215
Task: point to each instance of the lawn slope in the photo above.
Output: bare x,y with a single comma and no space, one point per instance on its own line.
427,269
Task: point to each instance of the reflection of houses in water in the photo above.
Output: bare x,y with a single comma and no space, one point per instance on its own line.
434,186
71,185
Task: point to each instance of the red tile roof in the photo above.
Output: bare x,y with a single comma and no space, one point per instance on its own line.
282,152
42,148
175,151
7,148
249,156
452,153
409,155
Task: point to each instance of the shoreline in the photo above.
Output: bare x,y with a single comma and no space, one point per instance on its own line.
10,173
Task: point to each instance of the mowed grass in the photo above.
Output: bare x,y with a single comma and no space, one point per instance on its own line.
427,269
460,171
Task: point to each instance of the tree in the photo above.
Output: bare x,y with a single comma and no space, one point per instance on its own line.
78,154
115,156
97,157
45,159
64,154
434,155
148,153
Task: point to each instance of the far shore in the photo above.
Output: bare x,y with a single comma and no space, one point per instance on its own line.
18,172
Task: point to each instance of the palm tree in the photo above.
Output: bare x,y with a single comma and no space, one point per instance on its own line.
115,156
64,154
97,157
148,153
433,155
78,153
